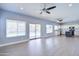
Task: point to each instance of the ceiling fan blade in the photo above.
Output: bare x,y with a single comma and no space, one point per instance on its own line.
48,12
51,8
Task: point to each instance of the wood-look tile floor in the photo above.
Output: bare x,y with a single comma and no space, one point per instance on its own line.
53,46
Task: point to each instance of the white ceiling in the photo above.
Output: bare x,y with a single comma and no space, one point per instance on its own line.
62,10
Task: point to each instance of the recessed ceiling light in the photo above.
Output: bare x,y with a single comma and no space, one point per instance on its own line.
70,5
21,8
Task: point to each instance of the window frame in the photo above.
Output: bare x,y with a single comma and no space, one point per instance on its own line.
17,22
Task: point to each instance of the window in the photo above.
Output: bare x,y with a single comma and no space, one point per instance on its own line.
21,28
49,28
15,28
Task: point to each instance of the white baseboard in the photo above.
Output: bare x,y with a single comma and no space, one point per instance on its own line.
7,44
11,43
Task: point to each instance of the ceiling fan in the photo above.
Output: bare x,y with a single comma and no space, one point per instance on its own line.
60,21
47,9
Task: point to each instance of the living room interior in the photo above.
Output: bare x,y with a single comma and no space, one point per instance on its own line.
39,29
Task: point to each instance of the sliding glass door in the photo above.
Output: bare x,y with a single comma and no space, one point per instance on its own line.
56,29
38,30
34,31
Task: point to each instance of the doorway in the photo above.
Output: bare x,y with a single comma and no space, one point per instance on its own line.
34,31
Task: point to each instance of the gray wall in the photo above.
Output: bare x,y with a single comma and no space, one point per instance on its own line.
28,19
